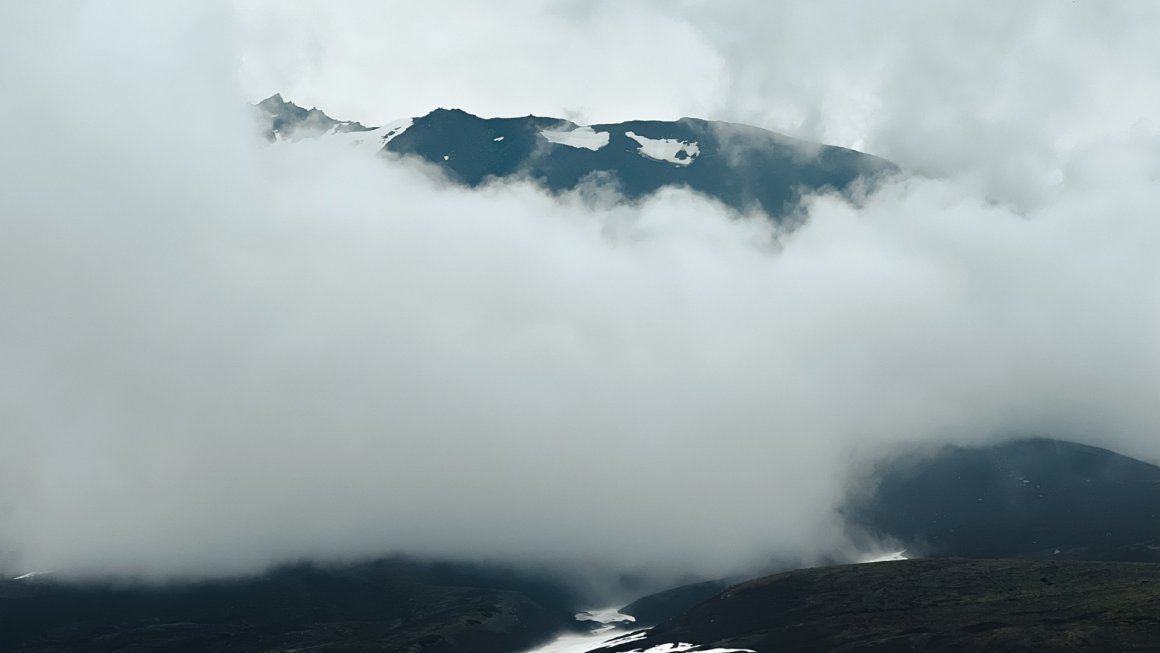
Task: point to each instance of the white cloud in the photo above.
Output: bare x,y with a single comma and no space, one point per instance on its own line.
381,61
219,354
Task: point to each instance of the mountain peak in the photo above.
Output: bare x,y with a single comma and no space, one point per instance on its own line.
284,120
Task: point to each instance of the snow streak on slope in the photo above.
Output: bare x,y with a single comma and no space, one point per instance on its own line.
886,557
32,574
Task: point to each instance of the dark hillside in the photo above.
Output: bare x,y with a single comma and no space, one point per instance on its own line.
950,605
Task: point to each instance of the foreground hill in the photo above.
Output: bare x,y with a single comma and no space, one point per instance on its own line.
950,605
1036,498
389,605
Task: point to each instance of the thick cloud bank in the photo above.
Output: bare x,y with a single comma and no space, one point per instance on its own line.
217,354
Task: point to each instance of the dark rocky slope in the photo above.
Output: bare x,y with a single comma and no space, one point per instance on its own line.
655,608
947,605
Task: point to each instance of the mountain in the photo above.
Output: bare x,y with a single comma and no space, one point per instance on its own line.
949,605
744,167
1045,501
1035,497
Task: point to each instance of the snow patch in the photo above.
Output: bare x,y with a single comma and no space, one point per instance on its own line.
608,616
393,129
672,150
377,138
682,647
584,137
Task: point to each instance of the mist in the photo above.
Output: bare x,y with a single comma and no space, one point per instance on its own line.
217,354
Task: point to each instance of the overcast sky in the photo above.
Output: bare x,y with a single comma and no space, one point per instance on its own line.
1007,91
216,354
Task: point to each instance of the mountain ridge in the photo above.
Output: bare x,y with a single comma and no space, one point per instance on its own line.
746,168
